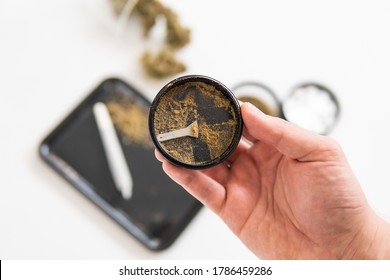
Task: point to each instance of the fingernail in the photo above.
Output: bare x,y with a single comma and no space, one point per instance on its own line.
252,108
158,156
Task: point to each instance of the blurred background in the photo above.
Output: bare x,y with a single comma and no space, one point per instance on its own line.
53,53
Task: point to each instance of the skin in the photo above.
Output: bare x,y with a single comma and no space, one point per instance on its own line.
290,194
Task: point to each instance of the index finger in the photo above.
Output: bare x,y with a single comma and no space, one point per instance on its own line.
290,140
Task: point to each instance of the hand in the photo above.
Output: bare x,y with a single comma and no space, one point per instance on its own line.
289,195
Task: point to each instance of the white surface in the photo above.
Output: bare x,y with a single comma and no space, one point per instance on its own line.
52,53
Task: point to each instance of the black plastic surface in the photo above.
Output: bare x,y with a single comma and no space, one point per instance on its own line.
159,209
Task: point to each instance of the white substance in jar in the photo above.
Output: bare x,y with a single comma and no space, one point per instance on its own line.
311,107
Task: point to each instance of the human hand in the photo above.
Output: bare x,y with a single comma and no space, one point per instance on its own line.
290,195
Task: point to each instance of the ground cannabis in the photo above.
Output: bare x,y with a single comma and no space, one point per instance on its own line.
214,112
177,36
131,121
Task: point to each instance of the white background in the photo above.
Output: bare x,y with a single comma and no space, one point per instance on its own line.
54,52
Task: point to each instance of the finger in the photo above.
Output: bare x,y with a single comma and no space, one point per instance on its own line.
158,155
218,173
238,151
221,171
289,139
203,185
205,189
247,135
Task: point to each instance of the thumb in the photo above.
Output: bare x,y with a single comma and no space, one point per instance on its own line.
289,139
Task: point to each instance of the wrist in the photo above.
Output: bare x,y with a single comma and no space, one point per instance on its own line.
383,244
373,241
